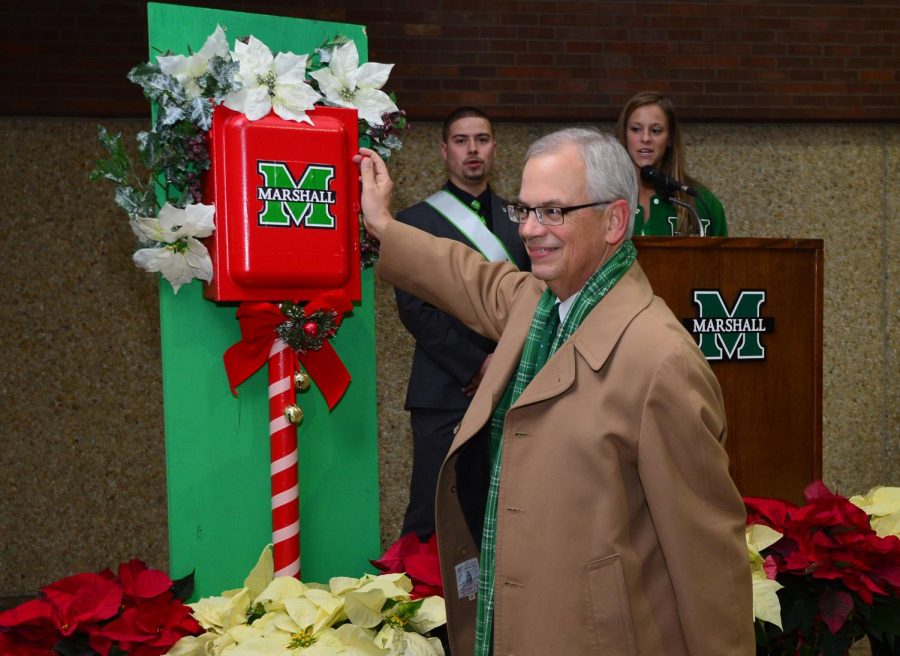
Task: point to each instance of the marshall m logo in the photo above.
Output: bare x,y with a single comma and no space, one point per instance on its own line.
734,333
304,201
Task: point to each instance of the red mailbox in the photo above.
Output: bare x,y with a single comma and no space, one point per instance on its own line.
287,206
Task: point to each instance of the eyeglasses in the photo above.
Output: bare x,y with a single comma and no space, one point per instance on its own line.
547,215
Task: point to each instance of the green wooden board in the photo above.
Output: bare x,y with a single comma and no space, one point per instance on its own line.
217,446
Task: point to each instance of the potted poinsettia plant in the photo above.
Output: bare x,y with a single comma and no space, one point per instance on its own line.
824,577
374,615
137,611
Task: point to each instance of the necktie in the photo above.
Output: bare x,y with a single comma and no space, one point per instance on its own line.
549,333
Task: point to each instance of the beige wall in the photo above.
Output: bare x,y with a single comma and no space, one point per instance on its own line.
82,476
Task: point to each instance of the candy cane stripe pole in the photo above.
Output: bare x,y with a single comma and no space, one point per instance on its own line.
284,471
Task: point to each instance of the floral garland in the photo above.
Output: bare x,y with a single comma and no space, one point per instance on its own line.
174,154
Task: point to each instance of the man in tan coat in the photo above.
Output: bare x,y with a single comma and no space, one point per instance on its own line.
599,517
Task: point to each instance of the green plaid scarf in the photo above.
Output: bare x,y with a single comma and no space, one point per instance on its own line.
594,289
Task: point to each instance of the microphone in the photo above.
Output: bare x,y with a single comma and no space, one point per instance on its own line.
663,183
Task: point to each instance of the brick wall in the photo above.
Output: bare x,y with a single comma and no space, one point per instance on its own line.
518,59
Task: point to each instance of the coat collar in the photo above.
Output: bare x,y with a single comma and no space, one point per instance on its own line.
594,341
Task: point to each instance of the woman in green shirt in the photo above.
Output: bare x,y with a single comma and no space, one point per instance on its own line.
649,130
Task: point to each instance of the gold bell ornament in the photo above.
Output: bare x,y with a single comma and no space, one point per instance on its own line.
301,381
293,414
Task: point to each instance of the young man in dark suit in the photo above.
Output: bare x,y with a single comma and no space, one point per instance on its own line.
450,359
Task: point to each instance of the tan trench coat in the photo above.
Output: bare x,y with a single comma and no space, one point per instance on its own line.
619,530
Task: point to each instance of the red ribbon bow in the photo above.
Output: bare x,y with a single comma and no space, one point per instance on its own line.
258,323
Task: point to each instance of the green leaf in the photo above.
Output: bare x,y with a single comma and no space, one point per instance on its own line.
117,166
183,588
408,609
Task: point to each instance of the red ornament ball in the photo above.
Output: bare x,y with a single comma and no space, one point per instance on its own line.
311,328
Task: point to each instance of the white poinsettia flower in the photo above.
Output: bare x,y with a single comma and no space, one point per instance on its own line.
182,257
270,82
347,84
187,69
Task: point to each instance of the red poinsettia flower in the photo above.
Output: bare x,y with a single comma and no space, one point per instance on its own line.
419,560
150,627
135,612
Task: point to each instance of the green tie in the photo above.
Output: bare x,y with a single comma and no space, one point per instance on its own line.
546,342
476,207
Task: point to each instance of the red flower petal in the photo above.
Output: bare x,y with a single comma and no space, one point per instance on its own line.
82,599
34,611
140,582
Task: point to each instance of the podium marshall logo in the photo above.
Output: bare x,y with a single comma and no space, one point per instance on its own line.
734,333
287,201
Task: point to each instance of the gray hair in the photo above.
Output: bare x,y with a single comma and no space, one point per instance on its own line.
609,170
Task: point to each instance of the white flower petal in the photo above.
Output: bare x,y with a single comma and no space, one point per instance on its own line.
417,645
192,645
279,589
148,259
174,65
292,102
197,258
254,102
372,103
330,85
254,57
290,68
373,75
198,220
147,229
175,268
170,217
431,614
216,45
344,60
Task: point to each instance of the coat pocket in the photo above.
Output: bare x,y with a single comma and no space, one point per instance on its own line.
609,608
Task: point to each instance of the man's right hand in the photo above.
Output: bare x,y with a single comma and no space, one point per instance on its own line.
377,187
472,386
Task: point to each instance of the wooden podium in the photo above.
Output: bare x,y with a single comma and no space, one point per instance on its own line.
755,308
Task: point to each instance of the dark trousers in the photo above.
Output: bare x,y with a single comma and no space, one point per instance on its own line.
432,436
